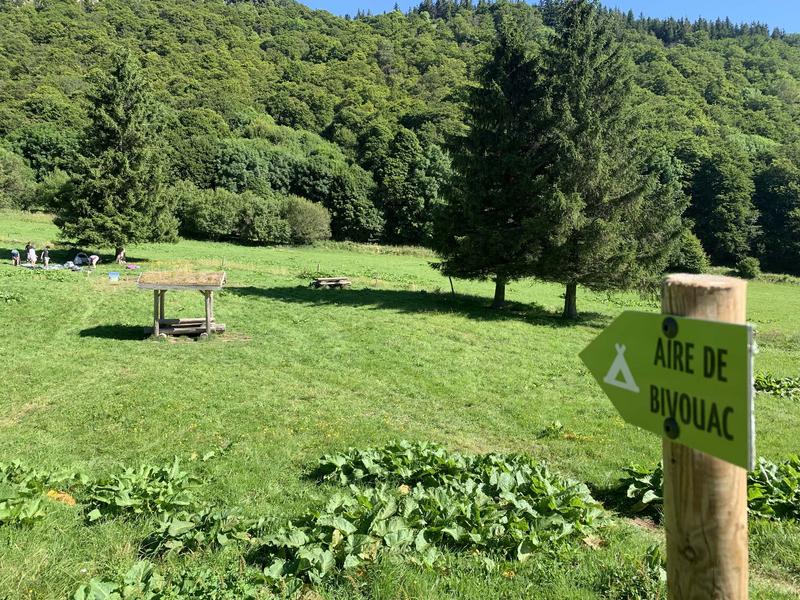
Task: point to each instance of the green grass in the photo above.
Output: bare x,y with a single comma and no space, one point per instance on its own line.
303,372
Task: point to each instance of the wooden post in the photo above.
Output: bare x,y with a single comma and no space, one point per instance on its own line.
705,499
156,324
161,307
211,302
208,312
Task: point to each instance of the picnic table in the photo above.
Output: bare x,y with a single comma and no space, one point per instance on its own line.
330,282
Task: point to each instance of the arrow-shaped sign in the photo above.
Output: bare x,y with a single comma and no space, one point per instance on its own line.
688,379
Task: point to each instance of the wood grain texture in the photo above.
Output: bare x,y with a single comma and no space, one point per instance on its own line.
705,499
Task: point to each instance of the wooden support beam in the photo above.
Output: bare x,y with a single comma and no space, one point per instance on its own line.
208,312
156,303
163,294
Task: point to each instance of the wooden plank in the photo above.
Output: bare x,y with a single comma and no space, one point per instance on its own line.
184,321
216,328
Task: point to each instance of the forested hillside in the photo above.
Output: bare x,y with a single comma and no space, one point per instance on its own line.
270,99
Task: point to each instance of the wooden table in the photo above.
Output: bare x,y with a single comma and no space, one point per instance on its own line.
330,282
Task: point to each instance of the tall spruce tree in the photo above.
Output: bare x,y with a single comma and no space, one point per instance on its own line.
116,196
490,225
619,205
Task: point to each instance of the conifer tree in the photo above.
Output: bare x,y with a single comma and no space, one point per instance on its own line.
619,207
488,227
116,196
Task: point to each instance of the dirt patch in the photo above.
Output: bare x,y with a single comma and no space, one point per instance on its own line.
62,497
232,336
16,415
646,524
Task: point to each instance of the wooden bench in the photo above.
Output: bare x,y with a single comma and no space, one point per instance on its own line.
330,282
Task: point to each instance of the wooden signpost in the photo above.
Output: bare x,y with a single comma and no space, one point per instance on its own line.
688,376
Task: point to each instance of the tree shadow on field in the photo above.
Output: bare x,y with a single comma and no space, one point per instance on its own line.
474,307
116,332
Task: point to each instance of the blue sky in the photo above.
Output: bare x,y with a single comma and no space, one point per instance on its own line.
776,13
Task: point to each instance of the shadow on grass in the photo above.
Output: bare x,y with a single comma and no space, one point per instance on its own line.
616,500
116,332
474,307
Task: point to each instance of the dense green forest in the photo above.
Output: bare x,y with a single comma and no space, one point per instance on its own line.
261,101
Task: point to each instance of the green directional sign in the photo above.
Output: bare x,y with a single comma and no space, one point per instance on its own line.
687,379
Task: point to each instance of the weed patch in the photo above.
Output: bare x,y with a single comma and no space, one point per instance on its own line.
24,492
411,500
783,387
773,490
148,490
142,582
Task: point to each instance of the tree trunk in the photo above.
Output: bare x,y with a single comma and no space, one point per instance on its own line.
570,302
499,292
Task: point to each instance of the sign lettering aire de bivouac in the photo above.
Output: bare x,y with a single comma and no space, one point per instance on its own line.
688,379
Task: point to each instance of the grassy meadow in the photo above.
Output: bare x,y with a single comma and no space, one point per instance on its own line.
303,372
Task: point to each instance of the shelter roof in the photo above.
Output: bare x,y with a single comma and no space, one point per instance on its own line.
182,280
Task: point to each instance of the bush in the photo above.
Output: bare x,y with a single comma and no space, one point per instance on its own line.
302,164
17,180
748,268
309,221
51,191
689,256
260,220
223,215
346,191
207,214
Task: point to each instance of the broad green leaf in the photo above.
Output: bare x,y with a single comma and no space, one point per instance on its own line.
178,528
138,573
94,515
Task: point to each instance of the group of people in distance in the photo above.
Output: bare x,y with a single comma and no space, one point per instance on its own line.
30,255
44,256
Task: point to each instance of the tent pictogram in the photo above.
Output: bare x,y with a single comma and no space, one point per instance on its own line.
620,367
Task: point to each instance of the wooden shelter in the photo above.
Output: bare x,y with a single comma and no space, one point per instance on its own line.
204,282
